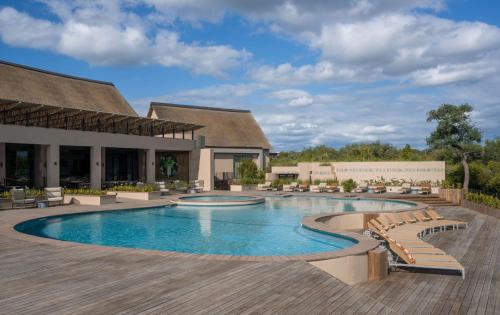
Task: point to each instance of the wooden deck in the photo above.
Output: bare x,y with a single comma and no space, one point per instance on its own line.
44,278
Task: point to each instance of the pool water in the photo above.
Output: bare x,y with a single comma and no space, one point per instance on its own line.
266,229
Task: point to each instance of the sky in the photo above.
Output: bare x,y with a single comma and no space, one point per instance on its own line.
312,72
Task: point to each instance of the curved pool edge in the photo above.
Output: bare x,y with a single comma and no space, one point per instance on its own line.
250,200
363,245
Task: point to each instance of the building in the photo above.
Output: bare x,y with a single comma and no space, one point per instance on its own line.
57,130
230,136
433,171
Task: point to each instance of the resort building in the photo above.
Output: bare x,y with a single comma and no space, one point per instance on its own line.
60,130
230,136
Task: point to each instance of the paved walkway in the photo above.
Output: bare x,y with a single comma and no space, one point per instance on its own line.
48,278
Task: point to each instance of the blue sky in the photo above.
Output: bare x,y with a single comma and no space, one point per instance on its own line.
312,72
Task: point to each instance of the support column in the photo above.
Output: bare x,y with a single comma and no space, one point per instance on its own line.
206,170
150,166
53,167
261,160
96,167
2,163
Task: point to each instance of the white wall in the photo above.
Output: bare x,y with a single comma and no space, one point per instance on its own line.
360,171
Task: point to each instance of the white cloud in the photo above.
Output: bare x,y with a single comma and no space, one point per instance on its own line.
105,34
295,98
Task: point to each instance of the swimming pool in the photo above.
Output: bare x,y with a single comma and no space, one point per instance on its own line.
266,229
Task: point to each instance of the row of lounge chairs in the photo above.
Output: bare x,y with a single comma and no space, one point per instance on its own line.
53,195
423,189
321,187
179,186
402,232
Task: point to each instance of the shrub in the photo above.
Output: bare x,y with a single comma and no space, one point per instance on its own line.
33,192
133,188
317,182
349,185
484,199
248,169
85,192
248,181
5,195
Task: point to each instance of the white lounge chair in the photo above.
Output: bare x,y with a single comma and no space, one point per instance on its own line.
318,188
290,188
198,185
265,186
362,188
19,199
162,187
55,195
405,188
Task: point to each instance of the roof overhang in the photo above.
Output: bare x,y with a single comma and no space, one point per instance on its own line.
14,112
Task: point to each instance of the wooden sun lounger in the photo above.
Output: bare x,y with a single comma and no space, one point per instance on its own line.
425,261
407,218
394,218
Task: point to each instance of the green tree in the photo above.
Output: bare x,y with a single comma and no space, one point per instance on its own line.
349,185
406,152
248,169
456,132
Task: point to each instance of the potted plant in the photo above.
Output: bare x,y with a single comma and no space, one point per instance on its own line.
91,197
143,192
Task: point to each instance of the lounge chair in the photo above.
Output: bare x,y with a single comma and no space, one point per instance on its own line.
332,188
407,217
405,188
264,187
425,189
180,187
55,195
19,199
290,188
424,261
362,188
162,187
199,185
318,188
303,188
380,188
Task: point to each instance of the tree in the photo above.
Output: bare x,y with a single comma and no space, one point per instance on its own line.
248,169
455,131
349,185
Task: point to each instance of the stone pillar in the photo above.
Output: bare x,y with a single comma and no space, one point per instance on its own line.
53,166
150,166
96,167
261,160
2,163
206,170
40,166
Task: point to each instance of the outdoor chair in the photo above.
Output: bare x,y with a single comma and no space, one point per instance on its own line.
425,189
162,187
290,188
19,199
264,187
380,188
405,188
362,188
332,188
55,195
199,185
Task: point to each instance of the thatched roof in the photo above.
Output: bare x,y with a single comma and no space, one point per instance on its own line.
31,85
224,128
